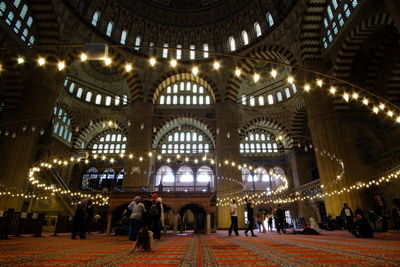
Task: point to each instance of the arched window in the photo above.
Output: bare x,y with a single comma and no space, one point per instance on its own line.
257,29
245,38
192,53
117,100
151,49
335,17
124,34
108,143
10,17
79,92
138,42
3,8
62,127
270,19
165,175
98,99
232,44
246,175
204,175
185,175
205,50
279,96
88,96
108,100
16,3
109,28
165,51
261,175
90,178
24,10
270,99
95,18
178,52
261,100
258,141
287,93
189,93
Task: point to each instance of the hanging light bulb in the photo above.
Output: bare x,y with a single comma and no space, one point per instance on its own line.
173,63
307,87
195,70
128,67
107,61
216,65
319,82
332,90
274,73
290,79
346,97
238,72
152,61
20,60
256,77
61,65
398,119
382,106
83,57
375,110
365,101
355,95
41,61
390,113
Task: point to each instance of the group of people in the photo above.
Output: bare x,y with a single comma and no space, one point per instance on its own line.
279,216
82,219
146,221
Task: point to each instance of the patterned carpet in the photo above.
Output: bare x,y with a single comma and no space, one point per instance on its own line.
337,248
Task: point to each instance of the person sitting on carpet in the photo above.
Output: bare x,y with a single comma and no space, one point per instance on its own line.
362,228
145,241
310,229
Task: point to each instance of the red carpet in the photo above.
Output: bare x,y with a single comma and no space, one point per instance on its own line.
330,249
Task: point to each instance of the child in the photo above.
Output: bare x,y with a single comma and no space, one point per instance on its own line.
144,240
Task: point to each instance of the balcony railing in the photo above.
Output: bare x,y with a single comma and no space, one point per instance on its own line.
186,189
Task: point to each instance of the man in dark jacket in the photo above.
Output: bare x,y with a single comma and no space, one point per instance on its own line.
250,217
79,222
347,216
280,219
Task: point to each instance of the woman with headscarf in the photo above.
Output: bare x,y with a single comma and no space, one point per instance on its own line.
138,210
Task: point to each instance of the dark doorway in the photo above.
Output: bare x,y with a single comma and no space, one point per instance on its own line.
192,217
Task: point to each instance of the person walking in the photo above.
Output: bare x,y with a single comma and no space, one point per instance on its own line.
260,221
347,216
250,218
280,219
234,219
270,218
138,210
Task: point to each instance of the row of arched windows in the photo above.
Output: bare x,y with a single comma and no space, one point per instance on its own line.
94,178
96,98
258,143
270,99
261,179
185,142
109,144
184,93
184,175
337,12
62,125
178,51
16,16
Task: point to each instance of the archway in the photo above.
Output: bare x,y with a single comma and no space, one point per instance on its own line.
192,217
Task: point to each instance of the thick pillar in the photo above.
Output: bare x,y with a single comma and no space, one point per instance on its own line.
227,143
41,88
139,143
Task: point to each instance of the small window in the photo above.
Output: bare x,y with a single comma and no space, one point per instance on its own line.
192,53
252,101
124,34
279,96
79,93
165,51
261,100
245,38
16,3
88,96
243,99
294,88
98,99
95,18
138,42
232,45
10,18
257,29
124,99
205,50
29,21
270,20
24,10
287,93
270,100
108,100
178,52
109,28
117,100
3,7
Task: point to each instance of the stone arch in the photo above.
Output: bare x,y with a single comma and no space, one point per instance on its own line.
179,75
71,115
273,53
298,121
184,120
97,126
199,216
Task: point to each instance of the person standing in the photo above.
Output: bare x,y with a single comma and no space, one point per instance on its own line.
250,217
347,216
89,214
381,212
154,215
260,221
138,210
234,219
79,222
270,218
396,214
280,219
